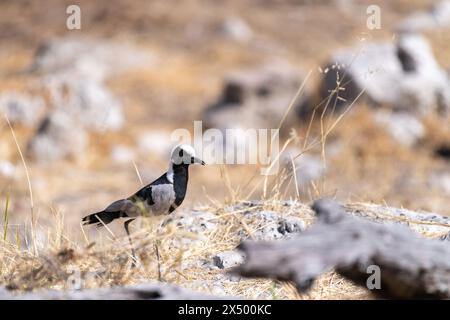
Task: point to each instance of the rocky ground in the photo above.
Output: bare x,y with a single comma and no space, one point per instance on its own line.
92,110
196,250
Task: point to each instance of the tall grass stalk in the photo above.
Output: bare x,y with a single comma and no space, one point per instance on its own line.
6,217
30,189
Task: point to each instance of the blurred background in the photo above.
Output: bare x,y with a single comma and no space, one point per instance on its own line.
92,108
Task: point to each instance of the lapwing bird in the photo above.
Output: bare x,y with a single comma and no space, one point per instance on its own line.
160,197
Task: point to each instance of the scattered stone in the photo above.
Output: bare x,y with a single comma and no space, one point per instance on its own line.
142,291
270,226
215,287
445,237
345,5
440,180
122,154
197,221
403,76
57,137
307,167
155,143
255,98
89,102
425,223
7,169
74,71
443,152
437,17
403,127
22,109
237,29
218,290
290,225
86,58
228,259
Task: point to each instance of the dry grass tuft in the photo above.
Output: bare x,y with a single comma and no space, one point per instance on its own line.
181,259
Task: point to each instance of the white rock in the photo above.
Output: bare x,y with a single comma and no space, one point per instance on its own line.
197,221
87,58
218,290
122,154
256,98
155,143
250,100
308,167
403,127
404,76
290,225
7,169
21,108
75,69
228,259
270,225
89,102
237,29
58,137
441,181
437,17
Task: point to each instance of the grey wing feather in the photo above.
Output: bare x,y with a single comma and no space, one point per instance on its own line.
124,205
163,196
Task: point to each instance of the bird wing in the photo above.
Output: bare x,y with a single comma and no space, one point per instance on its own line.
145,194
155,198
128,206
163,196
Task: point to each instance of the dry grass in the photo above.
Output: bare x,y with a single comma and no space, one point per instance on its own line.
62,264
370,166
167,252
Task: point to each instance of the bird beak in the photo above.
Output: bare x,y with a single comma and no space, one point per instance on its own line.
197,160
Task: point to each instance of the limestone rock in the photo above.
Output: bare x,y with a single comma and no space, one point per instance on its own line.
402,76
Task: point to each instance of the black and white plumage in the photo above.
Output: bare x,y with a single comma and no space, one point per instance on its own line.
160,197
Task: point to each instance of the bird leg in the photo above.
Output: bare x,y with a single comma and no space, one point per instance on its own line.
133,254
158,260
166,221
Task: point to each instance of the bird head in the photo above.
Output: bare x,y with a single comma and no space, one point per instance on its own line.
185,154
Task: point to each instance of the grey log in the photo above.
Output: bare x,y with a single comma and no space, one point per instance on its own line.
411,266
144,291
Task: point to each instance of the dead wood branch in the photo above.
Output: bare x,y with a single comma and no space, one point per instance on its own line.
411,266
145,291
